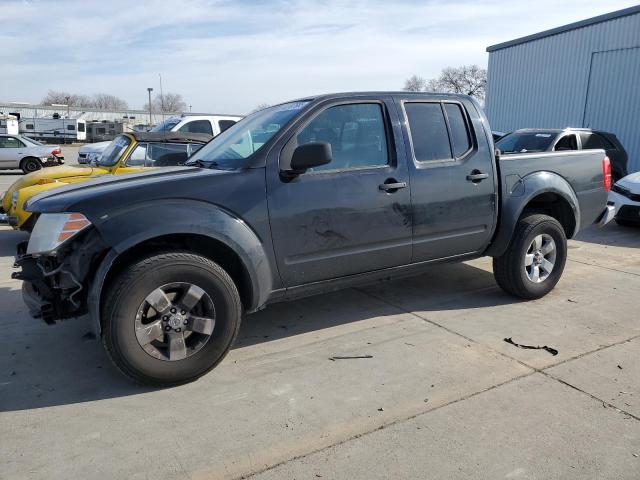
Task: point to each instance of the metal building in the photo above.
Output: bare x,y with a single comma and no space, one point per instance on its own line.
585,74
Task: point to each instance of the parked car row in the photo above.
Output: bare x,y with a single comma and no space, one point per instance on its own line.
296,199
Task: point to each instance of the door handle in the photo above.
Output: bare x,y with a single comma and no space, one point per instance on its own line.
392,186
477,176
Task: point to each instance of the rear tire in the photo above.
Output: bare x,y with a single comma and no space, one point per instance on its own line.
30,165
535,258
128,310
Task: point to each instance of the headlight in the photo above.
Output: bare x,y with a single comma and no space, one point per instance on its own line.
53,229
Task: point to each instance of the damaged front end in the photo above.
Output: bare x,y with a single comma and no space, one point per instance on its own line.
56,281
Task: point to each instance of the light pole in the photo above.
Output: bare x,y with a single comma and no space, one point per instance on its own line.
149,89
189,108
63,123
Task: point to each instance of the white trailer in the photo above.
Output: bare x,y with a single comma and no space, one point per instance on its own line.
58,130
9,124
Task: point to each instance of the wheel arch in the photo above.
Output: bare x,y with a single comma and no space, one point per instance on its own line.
222,238
540,192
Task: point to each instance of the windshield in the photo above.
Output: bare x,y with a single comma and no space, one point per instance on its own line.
166,126
523,142
247,136
114,150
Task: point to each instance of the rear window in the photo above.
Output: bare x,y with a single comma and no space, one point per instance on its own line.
197,126
460,137
523,142
428,129
595,141
224,124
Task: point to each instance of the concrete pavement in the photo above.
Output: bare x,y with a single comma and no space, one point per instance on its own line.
443,395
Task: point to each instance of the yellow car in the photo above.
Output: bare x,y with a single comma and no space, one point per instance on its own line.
128,153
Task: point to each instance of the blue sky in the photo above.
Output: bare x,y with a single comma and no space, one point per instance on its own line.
229,56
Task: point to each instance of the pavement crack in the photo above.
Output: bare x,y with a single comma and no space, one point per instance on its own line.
603,267
386,425
604,402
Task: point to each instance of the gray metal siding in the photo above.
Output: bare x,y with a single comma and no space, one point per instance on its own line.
544,82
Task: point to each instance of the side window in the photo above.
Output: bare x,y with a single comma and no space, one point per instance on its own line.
224,124
568,142
193,148
428,129
166,154
356,133
81,127
29,126
10,142
71,127
197,126
138,156
460,137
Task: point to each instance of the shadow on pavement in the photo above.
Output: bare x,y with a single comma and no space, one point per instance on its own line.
612,235
46,365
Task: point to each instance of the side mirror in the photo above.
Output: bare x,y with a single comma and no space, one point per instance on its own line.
310,155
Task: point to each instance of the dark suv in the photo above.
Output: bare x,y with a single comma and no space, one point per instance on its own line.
562,140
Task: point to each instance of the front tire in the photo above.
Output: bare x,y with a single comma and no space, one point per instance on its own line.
535,258
30,164
170,318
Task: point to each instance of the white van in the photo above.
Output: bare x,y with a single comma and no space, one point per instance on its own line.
59,130
210,124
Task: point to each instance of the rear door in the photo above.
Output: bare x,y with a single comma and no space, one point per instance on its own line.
11,152
341,219
452,174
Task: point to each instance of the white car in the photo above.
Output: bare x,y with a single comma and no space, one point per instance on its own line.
209,124
91,152
18,151
625,198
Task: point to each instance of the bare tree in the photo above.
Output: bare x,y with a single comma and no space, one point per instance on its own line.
467,79
65,98
103,101
169,102
415,84
107,101
260,106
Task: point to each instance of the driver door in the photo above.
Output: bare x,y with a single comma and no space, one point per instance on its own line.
339,219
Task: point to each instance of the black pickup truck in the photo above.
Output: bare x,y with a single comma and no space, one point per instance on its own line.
296,199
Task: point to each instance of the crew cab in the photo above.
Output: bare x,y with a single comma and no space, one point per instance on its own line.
296,199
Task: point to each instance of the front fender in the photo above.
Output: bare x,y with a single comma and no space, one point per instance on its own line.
518,193
129,227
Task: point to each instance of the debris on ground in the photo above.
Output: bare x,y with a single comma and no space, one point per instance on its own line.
620,367
571,301
349,357
551,350
381,409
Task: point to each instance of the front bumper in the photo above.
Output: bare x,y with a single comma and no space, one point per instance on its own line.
50,289
625,208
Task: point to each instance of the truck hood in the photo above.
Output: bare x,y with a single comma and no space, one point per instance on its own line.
111,192
49,173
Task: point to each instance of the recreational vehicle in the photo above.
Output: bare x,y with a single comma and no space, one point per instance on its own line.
58,130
